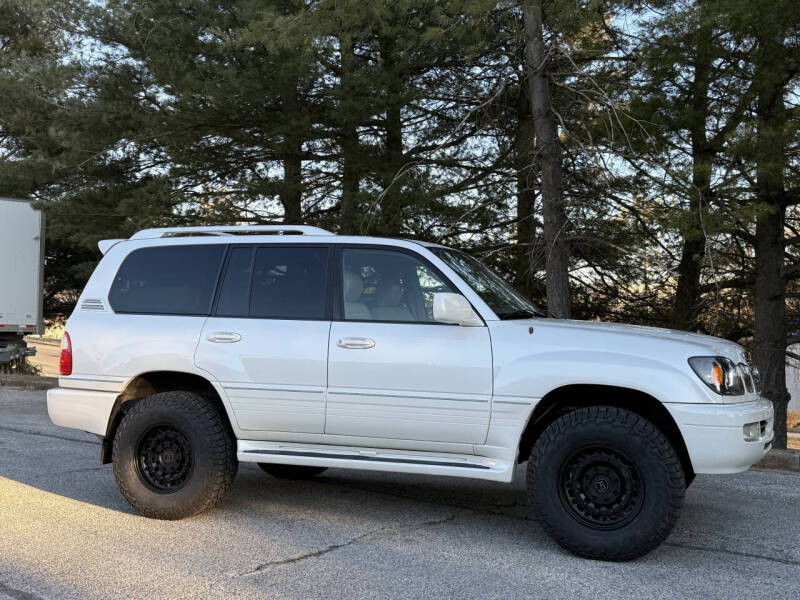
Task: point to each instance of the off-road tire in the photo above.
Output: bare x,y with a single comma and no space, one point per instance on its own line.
208,446
291,471
649,465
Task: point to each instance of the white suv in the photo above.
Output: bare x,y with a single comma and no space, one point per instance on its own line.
193,349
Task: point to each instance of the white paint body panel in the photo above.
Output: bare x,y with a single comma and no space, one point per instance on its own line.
419,391
418,382
274,376
118,347
88,410
713,434
559,353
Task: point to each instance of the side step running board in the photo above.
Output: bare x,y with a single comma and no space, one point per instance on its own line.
396,459
457,465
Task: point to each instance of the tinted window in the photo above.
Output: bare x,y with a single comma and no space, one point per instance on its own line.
381,285
289,283
171,280
234,297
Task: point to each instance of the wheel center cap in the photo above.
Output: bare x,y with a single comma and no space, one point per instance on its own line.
169,457
601,485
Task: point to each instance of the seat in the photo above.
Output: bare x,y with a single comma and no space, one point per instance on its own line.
353,288
388,307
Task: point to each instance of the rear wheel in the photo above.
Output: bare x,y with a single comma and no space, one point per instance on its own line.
291,471
606,483
173,455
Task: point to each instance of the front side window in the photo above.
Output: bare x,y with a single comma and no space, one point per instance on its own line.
504,300
384,285
167,280
277,282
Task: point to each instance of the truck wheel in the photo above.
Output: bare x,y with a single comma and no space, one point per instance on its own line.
606,483
291,471
174,455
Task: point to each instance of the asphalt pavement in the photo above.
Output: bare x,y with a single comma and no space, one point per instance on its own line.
66,532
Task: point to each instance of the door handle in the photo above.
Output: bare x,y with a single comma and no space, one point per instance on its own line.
223,337
356,343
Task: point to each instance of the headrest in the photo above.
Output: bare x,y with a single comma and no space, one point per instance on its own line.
388,294
353,286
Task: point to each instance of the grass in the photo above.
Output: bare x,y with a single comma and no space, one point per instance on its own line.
793,420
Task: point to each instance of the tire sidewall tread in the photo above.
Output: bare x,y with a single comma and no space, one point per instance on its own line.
644,444
214,448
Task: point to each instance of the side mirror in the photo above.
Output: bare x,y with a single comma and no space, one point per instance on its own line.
454,308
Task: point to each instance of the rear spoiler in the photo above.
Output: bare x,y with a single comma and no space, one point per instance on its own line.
106,245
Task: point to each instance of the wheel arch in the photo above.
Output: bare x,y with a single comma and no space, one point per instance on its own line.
149,383
570,397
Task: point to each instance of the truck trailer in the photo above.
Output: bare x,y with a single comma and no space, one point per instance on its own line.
21,277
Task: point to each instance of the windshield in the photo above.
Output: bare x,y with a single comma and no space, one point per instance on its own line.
504,300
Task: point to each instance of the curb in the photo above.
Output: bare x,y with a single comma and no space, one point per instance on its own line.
28,382
784,460
45,341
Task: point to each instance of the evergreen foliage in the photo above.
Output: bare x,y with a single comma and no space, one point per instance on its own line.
677,129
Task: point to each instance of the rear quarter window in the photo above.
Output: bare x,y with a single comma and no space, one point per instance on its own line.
169,280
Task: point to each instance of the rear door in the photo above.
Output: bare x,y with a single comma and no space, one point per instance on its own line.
267,341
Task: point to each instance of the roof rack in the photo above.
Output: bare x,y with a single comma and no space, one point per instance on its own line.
228,230
160,232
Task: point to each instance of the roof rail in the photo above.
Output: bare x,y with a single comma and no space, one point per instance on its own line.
228,230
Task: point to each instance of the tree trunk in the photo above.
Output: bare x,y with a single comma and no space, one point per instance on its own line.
526,268
392,203
391,210
348,216
291,191
687,295
291,195
769,332
548,148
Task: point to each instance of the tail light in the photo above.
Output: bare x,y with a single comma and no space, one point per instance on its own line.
65,364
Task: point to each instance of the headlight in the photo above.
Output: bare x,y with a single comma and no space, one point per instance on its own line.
719,373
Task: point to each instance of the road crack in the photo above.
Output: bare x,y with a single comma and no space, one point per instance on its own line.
321,552
375,533
50,435
86,469
495,509
783,561
17,594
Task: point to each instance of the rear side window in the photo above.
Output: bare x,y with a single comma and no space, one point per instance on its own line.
169,280
275,282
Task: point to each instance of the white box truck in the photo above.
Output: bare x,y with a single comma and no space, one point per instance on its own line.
21,277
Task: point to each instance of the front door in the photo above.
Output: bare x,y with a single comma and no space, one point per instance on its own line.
267,341
394,372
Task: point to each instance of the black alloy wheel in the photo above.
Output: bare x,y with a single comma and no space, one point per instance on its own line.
601,487
164,459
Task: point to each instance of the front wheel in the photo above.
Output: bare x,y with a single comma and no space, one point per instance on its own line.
606,483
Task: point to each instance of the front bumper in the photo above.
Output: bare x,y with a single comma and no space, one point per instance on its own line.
714,434
88,410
